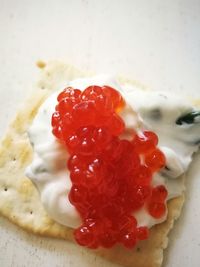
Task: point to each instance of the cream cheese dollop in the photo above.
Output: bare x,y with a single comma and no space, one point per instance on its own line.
156,111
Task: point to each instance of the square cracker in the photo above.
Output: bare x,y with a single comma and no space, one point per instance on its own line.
20,200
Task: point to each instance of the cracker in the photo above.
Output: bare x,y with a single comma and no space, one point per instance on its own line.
20,200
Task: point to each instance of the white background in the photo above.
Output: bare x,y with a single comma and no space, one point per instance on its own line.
153,41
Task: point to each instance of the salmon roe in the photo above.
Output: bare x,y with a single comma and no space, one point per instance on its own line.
109,180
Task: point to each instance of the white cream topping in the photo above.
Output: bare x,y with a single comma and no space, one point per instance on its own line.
148,110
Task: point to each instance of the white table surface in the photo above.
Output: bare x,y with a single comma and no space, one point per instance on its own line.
153,41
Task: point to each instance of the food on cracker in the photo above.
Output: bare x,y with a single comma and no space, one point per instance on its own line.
127,152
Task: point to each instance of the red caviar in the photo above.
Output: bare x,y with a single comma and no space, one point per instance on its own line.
109,180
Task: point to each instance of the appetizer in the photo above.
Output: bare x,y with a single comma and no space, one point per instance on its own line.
100,161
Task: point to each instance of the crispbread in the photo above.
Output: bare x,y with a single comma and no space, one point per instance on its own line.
20,200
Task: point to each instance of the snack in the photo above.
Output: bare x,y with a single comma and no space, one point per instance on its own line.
21,203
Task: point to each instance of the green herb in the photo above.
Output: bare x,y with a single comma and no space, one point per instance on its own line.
188,118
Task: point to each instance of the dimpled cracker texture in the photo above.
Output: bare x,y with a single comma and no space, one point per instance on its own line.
20,200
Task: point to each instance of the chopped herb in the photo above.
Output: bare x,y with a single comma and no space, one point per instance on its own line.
188,118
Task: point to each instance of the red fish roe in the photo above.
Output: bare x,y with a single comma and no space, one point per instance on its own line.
145,142
142,233
157,210
155,160
159,194
156,205
109,180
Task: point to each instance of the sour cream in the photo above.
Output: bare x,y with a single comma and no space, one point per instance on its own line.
156,111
